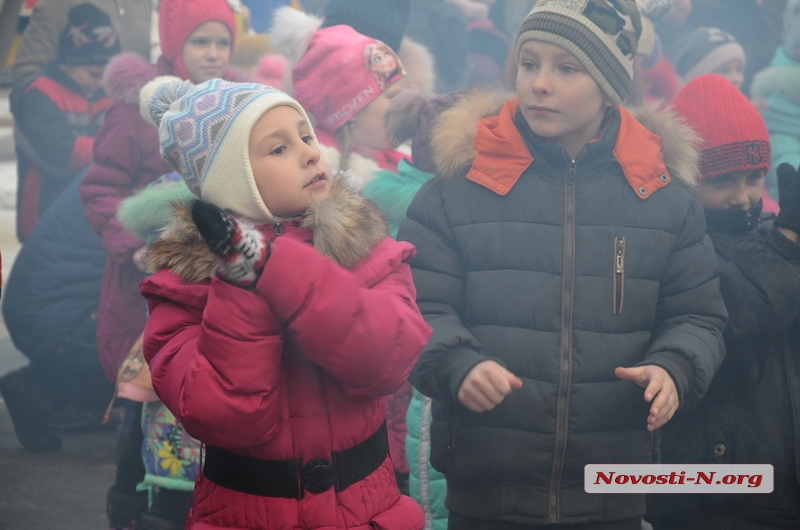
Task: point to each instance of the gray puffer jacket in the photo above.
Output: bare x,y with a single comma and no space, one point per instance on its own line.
561,270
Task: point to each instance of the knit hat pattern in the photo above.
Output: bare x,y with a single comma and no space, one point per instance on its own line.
88,37
384,20
342,72
602,34
204,131
704,50
177,19
735,137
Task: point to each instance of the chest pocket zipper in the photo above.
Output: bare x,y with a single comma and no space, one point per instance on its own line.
619,275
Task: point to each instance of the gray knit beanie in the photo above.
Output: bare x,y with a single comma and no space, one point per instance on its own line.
602,34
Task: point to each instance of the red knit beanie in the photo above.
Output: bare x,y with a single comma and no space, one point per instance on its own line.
342,72
177,19
735,137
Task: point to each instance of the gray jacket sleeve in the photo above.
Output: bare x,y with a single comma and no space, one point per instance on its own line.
687,336
439,276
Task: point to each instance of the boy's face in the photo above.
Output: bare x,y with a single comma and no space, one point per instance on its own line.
207,52
288,167
369,125
557,96
89,78
733,71
740,189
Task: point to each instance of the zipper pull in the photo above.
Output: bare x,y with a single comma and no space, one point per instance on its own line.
278,229
572,171
620,262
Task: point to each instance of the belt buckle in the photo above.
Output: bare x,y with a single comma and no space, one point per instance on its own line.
318,476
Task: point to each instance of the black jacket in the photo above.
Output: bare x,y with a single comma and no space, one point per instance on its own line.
749,415
520,266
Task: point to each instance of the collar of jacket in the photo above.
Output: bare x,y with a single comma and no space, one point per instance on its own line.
502,156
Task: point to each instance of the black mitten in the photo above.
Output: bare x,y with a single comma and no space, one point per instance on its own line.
242,248
789,191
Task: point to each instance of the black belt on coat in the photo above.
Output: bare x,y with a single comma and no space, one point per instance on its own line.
290,479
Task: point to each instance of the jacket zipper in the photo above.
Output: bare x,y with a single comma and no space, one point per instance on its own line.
619,274
565,357
278,229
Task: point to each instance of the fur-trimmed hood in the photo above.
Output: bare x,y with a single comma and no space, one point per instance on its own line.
346,227
453,140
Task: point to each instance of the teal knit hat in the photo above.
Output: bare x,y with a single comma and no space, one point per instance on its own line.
602,34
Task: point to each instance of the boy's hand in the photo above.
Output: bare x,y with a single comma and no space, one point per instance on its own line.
486,386
657,384
243,249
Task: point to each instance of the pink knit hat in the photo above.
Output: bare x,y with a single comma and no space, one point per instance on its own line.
177,19
342,72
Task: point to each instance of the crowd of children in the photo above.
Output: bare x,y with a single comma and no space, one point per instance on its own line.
393,276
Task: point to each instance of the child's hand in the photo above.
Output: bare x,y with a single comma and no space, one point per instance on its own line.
243,249
486,386
139,259
657,384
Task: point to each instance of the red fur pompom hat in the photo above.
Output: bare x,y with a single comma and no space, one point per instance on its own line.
177,19
341,72
735,137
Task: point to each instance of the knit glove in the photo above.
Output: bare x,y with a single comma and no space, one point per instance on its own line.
789,195
242,248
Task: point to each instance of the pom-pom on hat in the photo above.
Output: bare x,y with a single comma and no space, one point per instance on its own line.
88,37
704,50
204,132
342,72
177,19
735,137
602,34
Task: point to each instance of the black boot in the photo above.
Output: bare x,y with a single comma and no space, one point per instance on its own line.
122,508
150,521
27,414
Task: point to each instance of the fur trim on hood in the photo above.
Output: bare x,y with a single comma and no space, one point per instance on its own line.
454,137
778,80
125,75
151,209
363,169
346,228
293,30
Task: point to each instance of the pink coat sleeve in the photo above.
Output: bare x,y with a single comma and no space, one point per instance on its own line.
217,369
117,160
362,326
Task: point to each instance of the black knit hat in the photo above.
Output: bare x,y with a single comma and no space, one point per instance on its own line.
384,20
703,51
88,38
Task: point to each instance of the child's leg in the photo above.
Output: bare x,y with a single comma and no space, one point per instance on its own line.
169,511
124,503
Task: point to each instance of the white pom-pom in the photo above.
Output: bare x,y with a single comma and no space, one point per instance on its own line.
149,90
236,6
292,31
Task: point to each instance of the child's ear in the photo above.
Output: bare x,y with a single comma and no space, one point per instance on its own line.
608,103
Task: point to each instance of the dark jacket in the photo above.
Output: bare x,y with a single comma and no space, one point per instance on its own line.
517,249
749,415
56,125
54,286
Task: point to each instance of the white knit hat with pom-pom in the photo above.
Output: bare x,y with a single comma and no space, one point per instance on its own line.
204,131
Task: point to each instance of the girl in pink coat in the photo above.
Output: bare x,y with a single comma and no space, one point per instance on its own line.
281,316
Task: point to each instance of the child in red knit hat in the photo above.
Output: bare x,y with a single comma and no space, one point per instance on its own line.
747,416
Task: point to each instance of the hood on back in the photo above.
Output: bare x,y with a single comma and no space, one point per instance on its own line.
453,140
346,228
125,75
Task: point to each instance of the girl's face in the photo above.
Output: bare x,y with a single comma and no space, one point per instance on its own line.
740,189
369,125
288,167
207,52
382,60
